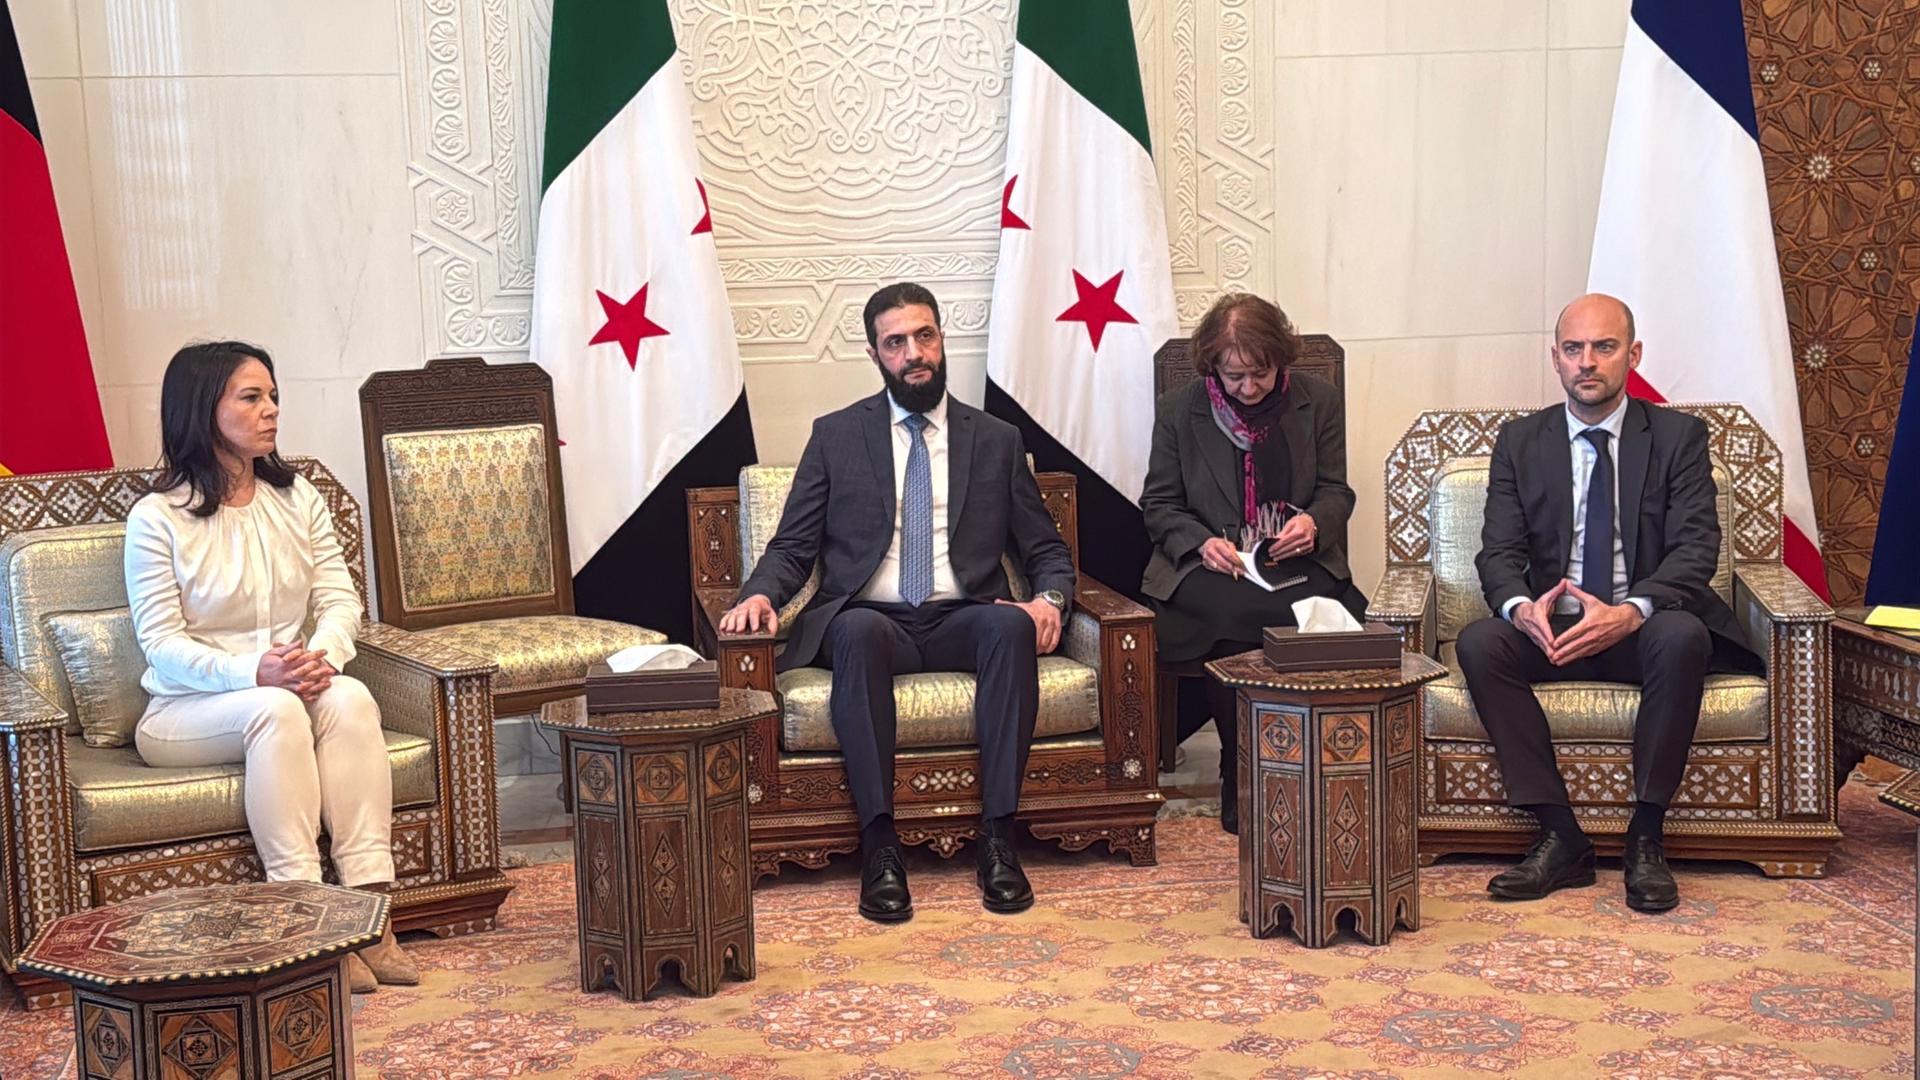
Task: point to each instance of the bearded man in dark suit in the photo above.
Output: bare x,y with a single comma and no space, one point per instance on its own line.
1599,545
907,500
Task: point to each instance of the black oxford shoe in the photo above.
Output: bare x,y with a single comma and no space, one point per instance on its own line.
1552,863
1003,885
1650,884
883,886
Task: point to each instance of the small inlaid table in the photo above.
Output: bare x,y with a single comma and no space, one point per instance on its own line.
660,856
1904,794
239,981
1876,694
1329,772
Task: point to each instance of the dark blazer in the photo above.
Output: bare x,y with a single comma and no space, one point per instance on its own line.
1193,488
842,513
1669,514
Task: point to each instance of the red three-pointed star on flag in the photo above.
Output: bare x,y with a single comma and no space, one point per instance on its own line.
627,324
705,224
1009,219
1096,306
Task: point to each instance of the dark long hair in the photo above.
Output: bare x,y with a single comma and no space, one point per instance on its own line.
190,395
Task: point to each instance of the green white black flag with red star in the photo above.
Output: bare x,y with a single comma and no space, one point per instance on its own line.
630,313
1083,295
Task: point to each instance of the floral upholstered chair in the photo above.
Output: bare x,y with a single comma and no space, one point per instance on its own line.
1092,775
85,822
1758,785
470,525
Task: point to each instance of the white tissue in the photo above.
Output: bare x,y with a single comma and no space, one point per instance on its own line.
1319,615
653,658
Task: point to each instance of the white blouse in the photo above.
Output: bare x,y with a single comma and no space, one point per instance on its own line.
210,595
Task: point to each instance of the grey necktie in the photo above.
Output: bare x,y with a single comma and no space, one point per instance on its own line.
916,517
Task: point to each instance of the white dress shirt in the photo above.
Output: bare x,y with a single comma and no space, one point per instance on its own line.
1584,457
209,595
884,586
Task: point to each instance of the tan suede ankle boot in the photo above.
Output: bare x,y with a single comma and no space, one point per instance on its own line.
360,978
390,964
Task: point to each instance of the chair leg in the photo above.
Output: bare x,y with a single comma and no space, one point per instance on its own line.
1166,692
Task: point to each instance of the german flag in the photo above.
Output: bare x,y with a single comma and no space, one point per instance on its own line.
49,408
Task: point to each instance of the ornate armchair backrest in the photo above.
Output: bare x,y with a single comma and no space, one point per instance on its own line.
61,536
1319,355
463,474
1436,486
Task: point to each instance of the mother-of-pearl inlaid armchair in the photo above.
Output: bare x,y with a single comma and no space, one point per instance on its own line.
1092,775
470,525
1758,785
85,825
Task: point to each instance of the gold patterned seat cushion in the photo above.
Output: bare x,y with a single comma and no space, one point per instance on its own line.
936,708
1733,710
121,801
539,652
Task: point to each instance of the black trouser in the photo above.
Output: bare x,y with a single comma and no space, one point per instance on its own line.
866,645
1669,657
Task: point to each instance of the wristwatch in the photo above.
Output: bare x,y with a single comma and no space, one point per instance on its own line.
1052,596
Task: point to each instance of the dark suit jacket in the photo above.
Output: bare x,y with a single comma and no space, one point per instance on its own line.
1669,517
842,513
1193,488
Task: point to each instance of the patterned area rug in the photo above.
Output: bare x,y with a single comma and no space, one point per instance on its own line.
1148,973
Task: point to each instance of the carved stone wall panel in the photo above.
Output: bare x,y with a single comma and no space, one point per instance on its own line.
843,144
1834,91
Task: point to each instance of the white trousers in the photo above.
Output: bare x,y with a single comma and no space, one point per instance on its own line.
309,764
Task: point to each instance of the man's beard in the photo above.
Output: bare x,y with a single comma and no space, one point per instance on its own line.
916,397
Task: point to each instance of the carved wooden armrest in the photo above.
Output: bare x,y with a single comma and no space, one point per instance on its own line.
1105,604
1778,593
1114,636
36,822
745,660
426,654
1097,610
445,695
713,604
24,708
1787,623
1404,601
412,677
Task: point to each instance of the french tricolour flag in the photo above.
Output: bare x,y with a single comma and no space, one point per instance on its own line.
1684,236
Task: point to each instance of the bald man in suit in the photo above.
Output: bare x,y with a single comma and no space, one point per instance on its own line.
1598,550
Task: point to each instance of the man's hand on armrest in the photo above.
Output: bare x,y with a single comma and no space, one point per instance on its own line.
754,614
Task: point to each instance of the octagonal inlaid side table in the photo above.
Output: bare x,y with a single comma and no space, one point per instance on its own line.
232,981
660,856
1329,771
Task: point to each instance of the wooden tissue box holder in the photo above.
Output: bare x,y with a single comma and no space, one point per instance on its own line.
1375,645
696,686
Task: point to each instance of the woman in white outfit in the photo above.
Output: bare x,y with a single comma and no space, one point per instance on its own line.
228,561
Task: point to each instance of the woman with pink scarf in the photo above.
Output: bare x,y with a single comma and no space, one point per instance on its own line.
1248,459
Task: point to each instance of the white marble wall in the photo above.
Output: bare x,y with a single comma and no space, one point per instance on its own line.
231,168
352,184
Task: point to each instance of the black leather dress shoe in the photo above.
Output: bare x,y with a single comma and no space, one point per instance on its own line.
1650,884
1229,813
1552,863
1003,885
883,886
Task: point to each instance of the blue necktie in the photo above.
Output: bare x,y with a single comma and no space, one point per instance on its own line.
916,517
1596,556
